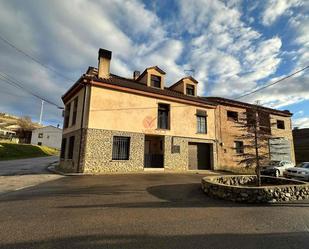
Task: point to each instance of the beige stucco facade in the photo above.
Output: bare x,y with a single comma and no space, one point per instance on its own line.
109,113
78,124
77,130
120,111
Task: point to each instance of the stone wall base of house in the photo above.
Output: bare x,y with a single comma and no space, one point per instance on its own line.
97,146
98,152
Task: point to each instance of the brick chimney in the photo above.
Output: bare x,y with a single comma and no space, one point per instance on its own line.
104,58
136,74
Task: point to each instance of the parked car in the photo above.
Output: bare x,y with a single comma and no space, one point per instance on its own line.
300,172
276,168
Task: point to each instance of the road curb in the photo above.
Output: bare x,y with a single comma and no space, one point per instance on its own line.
52,168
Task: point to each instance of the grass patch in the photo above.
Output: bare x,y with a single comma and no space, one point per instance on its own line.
10,151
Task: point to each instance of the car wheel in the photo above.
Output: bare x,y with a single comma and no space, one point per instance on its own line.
277,173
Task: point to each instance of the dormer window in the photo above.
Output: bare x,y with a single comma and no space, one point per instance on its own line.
152,77
190,90
186,85
155,81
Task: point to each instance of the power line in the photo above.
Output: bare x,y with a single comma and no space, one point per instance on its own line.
271,84
12,94
33,58
13,82
135,108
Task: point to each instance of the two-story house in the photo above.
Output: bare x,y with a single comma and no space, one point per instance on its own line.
233,140
116,124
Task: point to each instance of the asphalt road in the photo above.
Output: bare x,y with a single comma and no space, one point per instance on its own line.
26,166
23,173
144,211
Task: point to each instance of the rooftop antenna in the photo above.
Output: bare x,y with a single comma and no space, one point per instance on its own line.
258,102
189,72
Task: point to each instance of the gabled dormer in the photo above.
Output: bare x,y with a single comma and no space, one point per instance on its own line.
187,86
152,77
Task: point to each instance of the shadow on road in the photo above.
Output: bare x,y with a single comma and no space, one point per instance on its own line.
170,196
119,193
253,241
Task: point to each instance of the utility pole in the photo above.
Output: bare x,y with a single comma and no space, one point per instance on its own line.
256,144
41,114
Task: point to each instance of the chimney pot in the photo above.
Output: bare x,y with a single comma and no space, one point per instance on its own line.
105,54
104,58
136,74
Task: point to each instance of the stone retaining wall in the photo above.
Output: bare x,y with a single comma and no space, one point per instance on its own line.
237,188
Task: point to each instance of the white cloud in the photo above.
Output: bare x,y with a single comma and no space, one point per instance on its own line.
60,34
299,23
275,8
301,122
212,37
290,91
299,113
229,57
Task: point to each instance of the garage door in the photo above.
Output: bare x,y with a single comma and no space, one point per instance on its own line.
199,156
279,149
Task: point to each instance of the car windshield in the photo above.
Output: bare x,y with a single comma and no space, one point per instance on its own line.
274,163
304,165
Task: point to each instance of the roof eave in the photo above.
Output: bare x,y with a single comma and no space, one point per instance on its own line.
84,79
196,101
226,101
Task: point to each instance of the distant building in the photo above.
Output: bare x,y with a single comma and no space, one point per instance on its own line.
7,133
23,135
20,126
8,136
301,144
47,136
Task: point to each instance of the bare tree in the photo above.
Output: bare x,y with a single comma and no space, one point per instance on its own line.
26,126
25,123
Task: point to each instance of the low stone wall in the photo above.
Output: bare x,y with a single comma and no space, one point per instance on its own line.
237,188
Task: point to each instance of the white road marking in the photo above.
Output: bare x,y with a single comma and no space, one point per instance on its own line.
24,187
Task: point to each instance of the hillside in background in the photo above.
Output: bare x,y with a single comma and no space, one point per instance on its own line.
12,122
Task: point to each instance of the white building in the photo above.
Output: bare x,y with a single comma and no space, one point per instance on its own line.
47,136
7,133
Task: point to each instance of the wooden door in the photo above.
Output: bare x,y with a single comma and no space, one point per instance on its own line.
199,156
192,156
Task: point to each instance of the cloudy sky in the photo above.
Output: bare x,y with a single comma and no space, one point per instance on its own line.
233,46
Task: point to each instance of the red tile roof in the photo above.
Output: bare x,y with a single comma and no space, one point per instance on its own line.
115,80
230,102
